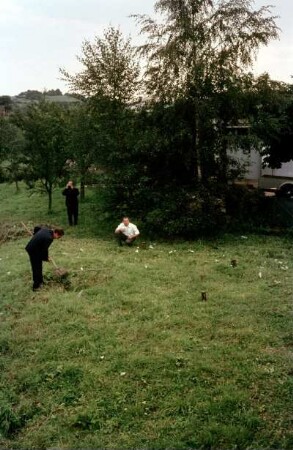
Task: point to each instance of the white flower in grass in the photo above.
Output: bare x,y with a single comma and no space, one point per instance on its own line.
259,275
146,266
122,374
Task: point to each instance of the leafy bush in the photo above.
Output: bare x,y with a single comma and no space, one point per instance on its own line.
249,208
187,214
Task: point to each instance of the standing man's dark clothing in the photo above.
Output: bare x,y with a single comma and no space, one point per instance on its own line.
71,193
37,249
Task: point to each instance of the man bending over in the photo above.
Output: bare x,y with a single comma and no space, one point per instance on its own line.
37,249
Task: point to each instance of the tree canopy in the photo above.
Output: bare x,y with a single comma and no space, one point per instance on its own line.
200,41
46,133
272,123
199,52
110,68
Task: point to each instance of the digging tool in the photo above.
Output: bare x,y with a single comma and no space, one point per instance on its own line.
59,271
27,229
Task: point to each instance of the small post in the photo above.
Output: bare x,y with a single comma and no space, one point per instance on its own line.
204,296
233,262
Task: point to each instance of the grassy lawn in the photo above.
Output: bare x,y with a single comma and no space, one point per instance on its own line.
128,355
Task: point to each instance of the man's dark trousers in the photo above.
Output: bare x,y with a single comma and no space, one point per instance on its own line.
121,237
37,269
72,213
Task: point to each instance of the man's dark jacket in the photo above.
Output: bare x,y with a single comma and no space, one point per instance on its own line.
39,244
71,195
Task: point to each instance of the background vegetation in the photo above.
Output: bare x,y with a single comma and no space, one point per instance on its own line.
158,121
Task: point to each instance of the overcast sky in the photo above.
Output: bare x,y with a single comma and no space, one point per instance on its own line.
39,36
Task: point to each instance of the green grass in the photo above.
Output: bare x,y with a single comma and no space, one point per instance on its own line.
128,356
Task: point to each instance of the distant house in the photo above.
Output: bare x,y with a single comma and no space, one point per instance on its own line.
257,174
66,100
261,176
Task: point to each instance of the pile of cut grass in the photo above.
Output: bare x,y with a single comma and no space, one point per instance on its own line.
129,356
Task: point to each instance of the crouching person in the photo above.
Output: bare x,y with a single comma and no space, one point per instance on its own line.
126,232
37,249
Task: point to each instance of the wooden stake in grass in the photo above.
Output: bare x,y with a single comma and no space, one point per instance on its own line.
204,296
233,262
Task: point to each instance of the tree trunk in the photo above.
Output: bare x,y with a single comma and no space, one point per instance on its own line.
224,160
50,198
82,189
197,150
224,163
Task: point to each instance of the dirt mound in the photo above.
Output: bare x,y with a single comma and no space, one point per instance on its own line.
11,231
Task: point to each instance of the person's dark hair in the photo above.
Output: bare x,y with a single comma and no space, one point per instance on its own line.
59,231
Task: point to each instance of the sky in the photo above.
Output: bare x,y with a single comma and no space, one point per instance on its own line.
37,37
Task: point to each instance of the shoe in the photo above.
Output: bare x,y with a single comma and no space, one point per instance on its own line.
37,288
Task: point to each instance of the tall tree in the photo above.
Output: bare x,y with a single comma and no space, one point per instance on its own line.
110,68
12,146
198,51
84,141
45,130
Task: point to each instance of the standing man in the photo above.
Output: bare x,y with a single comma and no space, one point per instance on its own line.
126,232
71,193
37,249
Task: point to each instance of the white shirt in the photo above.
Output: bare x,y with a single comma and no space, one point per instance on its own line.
129,230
